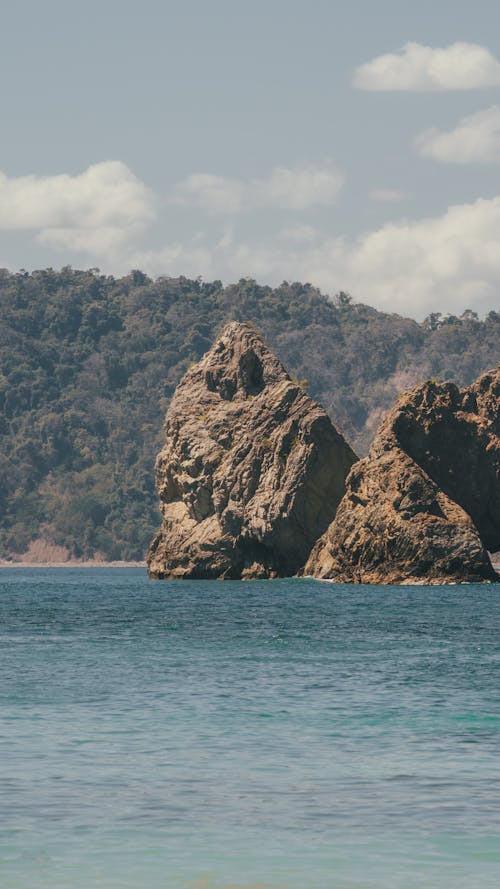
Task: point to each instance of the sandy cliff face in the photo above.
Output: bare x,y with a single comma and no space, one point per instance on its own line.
424,505
252,470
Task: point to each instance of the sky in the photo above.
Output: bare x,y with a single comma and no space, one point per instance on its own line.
355,146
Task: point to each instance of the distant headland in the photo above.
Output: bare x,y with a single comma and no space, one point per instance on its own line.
89,364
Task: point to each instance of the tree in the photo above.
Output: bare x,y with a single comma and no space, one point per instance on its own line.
342,298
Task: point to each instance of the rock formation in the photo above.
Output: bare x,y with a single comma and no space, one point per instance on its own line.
252,469
424,506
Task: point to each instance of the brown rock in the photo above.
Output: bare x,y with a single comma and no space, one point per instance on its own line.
252,469
424,506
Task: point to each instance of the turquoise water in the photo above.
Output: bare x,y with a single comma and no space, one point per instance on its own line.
262,734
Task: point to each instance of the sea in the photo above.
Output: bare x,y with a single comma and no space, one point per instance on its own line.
285,734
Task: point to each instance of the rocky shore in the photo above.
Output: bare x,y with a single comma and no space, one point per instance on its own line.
424,505
255,481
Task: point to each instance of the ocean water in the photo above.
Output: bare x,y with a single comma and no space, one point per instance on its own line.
231,735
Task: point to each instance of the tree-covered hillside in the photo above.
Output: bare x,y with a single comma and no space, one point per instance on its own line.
89,362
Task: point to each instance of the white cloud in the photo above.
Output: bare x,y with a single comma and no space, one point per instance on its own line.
291,188
300,187
476,139
101,241
91,211
418,68
446,263
213,193
386,195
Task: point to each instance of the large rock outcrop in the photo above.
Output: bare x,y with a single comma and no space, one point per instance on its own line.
424,505
252,469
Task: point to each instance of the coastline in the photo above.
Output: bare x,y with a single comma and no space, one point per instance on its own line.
72,563
98,563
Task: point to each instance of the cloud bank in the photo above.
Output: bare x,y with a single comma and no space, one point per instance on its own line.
448,262
288,188
419,68
444,263
476,139
94,211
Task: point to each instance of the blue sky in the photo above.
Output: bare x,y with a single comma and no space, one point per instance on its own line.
355,146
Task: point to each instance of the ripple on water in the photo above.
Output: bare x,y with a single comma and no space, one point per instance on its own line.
279,733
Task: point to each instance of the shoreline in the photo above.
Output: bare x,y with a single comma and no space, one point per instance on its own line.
89,563
71,564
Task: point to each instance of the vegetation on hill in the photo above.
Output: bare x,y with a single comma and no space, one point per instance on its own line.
88,364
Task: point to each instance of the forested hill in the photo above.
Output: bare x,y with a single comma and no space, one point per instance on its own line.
88,364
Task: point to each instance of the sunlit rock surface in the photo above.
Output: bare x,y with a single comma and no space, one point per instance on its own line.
424,505
252,470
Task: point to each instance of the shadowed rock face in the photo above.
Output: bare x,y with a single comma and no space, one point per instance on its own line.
252,469
425,504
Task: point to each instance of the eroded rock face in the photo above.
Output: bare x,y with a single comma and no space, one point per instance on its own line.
252,469
424,505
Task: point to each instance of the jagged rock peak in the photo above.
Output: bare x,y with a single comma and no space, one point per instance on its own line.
252,469
424,505
239,364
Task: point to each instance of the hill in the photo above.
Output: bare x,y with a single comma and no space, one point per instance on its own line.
88,364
